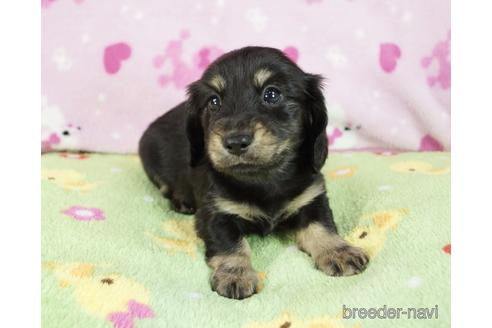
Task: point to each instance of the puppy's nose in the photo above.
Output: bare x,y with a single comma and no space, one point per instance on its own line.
238,143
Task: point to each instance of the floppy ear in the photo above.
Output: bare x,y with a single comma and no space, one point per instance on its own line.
315,141
194,128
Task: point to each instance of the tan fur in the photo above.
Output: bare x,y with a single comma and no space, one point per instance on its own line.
163,189
233,276
261,76
262,135
215,150
243,210
266,145
251,212
331,253
264,148
239,257
315,239
218,83
304,198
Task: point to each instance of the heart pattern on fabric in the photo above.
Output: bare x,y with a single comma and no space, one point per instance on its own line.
389,53
292,53
114,55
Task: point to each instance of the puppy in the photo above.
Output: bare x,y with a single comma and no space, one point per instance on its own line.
244,152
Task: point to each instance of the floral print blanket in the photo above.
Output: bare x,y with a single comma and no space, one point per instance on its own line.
115,255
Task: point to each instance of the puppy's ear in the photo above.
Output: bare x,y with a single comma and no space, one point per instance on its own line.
194,128
315,143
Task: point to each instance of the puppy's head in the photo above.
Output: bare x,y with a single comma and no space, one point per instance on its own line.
254,110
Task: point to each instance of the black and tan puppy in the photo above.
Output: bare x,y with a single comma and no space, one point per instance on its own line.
245,152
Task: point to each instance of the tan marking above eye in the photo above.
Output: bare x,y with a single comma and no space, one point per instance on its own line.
218,83
261,76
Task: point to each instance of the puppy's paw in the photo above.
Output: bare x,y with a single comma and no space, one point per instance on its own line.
182,207
345,260
235,282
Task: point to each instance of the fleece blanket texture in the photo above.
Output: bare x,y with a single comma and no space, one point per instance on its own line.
115,255
111,67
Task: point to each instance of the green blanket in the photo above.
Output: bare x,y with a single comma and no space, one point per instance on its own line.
115,255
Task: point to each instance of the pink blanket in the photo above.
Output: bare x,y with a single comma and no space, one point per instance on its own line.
110,67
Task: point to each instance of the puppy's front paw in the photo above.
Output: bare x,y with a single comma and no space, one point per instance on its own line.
235,282
182,207
345,260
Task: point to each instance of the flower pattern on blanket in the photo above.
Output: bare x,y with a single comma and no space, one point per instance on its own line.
112,297
372,236
286,320
387,232
68,179
340,172
81,213
180,237
410,167
135,311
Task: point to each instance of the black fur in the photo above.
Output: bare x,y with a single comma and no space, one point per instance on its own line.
175,148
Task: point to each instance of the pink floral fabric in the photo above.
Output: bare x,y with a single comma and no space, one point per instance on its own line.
110,67
135,311
81,213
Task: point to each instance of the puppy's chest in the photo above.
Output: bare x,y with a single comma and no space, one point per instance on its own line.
271,214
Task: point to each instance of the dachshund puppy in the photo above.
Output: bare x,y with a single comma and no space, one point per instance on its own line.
244,152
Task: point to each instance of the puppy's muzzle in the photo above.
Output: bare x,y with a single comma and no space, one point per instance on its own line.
237,144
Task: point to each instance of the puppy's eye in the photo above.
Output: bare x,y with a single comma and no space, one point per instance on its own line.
214,103
271,95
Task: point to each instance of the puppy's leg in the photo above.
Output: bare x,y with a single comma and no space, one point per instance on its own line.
233,276
180,196
182,203
228,254
319,238
182,200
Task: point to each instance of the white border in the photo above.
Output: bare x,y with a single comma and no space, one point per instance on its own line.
20,163
472,162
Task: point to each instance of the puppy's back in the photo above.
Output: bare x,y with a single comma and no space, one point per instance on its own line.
164,148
